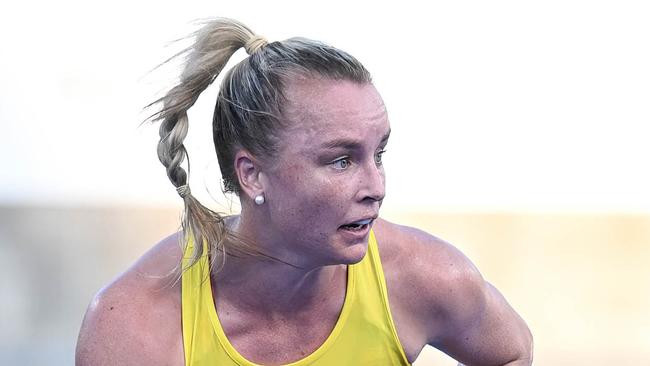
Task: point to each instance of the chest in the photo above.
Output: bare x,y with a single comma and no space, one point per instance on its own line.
279,339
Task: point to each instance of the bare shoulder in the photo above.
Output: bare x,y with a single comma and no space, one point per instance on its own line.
415,255
136,319
438,297
428,279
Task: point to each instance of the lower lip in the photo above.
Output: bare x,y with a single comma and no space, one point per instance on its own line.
356,234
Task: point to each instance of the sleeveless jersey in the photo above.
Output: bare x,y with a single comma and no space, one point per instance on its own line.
364,333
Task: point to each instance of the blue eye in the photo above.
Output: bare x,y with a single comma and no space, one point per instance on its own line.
378,157
342,163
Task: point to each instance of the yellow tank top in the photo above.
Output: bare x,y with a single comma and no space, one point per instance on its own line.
363,335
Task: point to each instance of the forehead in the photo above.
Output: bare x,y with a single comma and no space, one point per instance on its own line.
319,110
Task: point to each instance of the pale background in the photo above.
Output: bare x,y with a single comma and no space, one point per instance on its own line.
519,134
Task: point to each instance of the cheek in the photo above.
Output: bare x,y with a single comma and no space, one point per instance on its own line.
302,195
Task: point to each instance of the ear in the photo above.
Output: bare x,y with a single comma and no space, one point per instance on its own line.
248,174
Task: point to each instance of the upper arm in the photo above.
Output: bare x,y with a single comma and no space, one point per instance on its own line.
109,333
459,312
485,330
136,319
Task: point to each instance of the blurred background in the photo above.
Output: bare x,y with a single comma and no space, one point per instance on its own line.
520,135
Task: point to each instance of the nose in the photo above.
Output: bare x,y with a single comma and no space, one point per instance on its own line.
373,183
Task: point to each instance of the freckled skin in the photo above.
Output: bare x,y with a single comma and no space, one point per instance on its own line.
307,198
274,313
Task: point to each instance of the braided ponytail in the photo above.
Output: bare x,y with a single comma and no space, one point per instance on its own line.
248,114
214,44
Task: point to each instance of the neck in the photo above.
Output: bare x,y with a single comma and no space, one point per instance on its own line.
284,284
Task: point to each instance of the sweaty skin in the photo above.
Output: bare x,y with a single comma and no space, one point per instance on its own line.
328,173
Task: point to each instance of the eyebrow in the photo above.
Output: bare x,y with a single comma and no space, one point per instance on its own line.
349,143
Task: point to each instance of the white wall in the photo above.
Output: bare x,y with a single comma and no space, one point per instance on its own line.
494,105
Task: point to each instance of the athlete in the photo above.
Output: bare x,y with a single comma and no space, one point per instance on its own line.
307,273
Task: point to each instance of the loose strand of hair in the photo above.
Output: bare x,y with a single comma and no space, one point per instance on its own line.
214,44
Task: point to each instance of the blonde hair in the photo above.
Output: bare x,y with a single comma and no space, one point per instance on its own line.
248,112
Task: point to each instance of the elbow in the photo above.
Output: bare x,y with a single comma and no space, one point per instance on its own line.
528,355
526,348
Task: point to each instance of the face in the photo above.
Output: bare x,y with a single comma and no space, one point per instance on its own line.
327,183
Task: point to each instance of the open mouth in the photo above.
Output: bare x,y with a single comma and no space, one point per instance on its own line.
357,225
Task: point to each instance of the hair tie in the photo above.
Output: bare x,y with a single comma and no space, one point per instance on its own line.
255,43
183,190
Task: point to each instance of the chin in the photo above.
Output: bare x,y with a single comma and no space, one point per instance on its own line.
352,254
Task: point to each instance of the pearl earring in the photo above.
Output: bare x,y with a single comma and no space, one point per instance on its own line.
259,199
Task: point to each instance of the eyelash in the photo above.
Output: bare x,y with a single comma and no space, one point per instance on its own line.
341,160
347,160
378,157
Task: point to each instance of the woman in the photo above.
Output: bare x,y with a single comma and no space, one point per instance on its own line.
307,273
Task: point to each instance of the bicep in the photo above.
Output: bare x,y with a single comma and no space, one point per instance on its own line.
490,334
447,304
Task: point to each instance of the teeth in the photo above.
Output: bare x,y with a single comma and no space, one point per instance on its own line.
362,222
